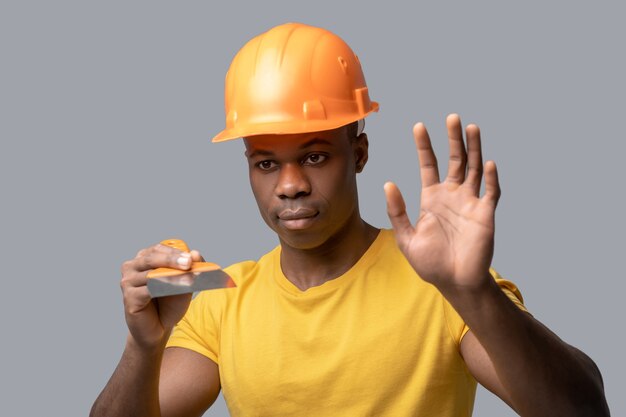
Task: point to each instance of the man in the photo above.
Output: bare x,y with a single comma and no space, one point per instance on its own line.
343,318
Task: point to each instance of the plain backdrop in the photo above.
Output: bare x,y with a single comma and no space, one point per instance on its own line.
106,110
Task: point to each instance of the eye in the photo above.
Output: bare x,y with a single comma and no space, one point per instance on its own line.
314,159
266,165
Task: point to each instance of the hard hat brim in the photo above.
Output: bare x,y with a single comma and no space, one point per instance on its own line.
292,127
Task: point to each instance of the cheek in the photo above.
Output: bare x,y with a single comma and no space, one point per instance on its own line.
262,192
339,187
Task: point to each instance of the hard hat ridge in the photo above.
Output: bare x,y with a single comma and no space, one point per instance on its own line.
294,78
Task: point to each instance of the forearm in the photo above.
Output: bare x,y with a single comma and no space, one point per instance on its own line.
134,386
542,374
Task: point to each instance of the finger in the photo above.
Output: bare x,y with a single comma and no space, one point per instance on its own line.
429,171
492,185
396,210
196,257
161,256
474,159
136,299
133,280
458,157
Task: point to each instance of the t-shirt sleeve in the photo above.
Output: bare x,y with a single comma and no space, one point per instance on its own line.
510,290
457,326
198,330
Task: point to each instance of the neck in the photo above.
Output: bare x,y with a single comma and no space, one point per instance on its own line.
307,268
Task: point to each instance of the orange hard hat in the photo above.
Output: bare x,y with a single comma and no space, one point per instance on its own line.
293,78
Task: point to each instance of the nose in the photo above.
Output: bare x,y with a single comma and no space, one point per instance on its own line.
292,182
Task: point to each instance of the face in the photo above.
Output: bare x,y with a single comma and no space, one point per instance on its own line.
305,184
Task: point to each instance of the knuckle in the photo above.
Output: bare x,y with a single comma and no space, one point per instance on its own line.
124,285
127,266
154,250
151,260
161,248
167,252
475,169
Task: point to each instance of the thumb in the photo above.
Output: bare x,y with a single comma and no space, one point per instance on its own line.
396,210
196,257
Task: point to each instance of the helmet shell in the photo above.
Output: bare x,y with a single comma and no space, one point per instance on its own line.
293,78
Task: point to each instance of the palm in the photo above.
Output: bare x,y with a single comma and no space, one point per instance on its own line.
452,242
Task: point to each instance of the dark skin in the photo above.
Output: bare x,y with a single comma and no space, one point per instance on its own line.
451,246
305,187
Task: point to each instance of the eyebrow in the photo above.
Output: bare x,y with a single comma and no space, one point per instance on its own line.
315,141
264,152
257,152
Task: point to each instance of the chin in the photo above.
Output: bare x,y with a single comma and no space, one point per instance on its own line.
306,235
302,239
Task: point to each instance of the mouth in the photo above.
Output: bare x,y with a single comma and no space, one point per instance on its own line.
297,219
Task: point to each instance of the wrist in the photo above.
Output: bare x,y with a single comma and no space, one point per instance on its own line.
485,309
471,297
466,288
150,350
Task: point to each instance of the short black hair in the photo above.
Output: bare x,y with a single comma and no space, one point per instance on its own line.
353,130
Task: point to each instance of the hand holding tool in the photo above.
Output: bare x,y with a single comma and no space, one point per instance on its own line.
199,277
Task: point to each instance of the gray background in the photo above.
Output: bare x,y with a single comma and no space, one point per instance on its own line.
106,109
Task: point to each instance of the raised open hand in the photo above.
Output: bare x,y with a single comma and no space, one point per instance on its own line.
451,245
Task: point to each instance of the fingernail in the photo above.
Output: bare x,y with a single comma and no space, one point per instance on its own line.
184,260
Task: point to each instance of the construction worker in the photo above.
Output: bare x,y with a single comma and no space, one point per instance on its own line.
342,318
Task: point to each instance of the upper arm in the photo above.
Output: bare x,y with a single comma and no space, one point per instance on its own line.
481,367
189,383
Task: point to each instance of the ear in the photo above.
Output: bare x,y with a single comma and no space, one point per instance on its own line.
360,146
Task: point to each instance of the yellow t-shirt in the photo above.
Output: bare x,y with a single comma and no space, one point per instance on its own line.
376,341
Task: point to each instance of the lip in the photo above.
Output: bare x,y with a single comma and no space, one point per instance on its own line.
297,219
300,213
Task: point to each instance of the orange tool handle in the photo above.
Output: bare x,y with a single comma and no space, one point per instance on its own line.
176,244
195,266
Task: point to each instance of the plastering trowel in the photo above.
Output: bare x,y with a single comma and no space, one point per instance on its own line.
201,276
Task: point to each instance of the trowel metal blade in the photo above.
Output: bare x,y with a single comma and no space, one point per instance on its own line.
189,282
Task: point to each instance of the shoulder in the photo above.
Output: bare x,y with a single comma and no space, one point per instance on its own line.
242,272
243,275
